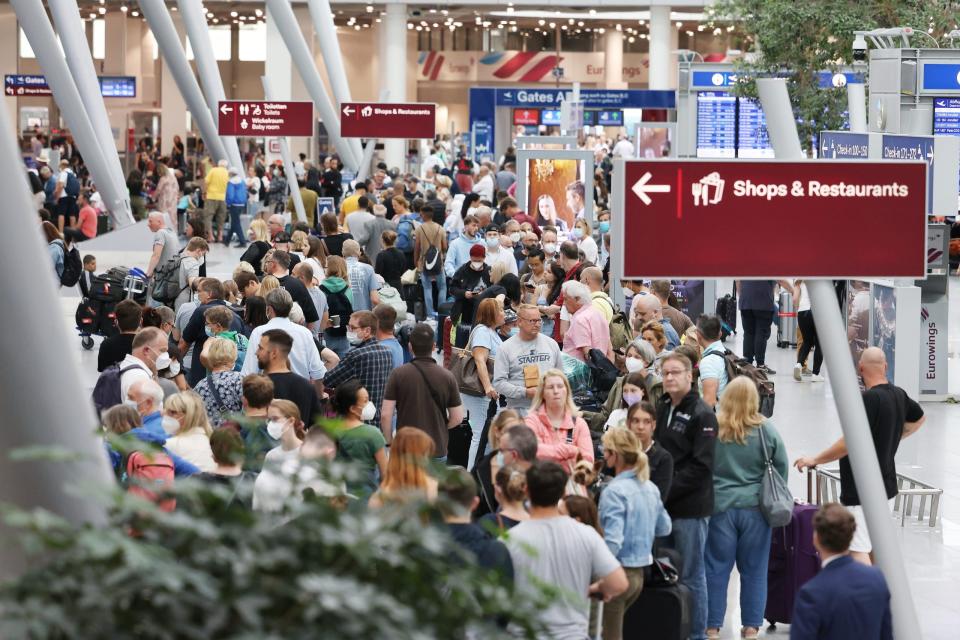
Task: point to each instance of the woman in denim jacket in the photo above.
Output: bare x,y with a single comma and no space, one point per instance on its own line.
631,514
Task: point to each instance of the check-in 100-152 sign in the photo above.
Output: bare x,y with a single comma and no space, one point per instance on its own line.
814,219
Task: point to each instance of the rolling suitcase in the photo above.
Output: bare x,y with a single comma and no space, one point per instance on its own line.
727,311
793,561
661,612
786,322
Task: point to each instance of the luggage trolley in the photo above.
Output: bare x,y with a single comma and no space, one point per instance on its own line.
95,314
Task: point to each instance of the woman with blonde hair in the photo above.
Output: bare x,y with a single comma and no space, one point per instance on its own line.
222,388
631,515
191,441
259,236
738,533
561,433
407,474
268,284
583,236
299,245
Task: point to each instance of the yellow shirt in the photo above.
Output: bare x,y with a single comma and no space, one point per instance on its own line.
216,182
309,197
348,206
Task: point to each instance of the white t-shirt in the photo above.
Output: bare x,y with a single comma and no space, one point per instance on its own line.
804,298
567,555
714,367
502,255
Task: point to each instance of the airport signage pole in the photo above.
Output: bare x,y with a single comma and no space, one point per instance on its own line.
161,24
846,392
367,160
71,487
281,13
326,32
288,167
33,20
196,24
66,16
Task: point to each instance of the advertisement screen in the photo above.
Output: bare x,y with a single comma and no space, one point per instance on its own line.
689,295
550,117
858,317
555,191
653,142
885,324
526,116
716,125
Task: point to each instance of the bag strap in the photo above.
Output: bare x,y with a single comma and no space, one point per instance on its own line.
763,445
216,393
433,396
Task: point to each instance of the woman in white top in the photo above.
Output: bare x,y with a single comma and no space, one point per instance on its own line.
285,426
808,331
584,239
191,441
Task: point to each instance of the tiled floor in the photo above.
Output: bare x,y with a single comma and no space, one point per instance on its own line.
807,419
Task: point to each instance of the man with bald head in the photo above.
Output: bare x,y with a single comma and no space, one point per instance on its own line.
648,308
892,416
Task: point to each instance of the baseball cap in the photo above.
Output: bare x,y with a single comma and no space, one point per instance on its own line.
478,251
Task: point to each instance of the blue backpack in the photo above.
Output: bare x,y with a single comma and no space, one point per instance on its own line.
406,227
72,188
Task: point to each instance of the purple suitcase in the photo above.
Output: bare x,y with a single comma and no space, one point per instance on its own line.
793,561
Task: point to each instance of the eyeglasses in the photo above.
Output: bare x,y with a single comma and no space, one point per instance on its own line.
673,372
537,320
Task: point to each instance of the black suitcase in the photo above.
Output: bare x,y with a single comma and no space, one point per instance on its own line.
107,287
458,444
412,294
660,612
106,320
88,316
103,224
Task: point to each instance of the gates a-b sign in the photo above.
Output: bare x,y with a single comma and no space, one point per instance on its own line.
815,219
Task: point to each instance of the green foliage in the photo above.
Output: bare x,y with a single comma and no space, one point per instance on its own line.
795,40
212,569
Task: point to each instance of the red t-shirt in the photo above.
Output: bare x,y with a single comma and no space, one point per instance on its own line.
87,221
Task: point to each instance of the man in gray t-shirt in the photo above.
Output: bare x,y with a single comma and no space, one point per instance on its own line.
556,550
165,244
525,355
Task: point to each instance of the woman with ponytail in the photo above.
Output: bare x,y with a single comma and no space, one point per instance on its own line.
510,488
631,515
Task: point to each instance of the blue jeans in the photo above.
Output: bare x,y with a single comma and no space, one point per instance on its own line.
426,281
477,409
741,536
235,227
689,539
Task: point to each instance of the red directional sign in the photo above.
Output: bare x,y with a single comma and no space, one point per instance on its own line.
405,120
815,219
264,118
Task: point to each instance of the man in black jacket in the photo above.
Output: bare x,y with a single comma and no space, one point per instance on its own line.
457,498
687,429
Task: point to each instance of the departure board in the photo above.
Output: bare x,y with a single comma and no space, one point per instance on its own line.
753,141
716,124
946,116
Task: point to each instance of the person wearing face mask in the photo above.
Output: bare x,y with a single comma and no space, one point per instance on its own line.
550,245
638,362
358,441
632,391
210,295
191,436
600,235
459,252
146,397
469,281
284,426
582,234
148,355
368,361
496,252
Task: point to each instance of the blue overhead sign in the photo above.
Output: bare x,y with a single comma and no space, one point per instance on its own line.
118,86
592,98
25,85
939,76
712,79
896,147
843,145
828,79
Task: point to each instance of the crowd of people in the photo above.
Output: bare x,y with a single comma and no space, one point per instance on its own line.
437,324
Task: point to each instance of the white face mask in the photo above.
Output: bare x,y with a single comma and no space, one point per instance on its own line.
476,266
550,248
634,364
515,237
627,292
132,404
353,338
174,368
369,412
493,242
170,425
163,361
275,429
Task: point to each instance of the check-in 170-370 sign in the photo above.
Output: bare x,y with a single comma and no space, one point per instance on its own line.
814,219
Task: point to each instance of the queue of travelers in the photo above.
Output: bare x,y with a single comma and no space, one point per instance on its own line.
370,317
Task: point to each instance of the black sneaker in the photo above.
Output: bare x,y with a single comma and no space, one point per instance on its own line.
767,370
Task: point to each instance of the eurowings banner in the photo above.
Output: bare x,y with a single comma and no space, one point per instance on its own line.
523,66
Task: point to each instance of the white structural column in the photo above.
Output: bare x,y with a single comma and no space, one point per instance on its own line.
394,73
173,108
279,68
8,58
613,60
196,24
661,36
66,16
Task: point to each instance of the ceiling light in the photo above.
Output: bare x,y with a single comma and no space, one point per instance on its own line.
356,27
369,8
135,14
444,11
419,28
93,16
458,24
571,21
643,22
679,24
631,39
563,27
690,33
541,22
510,9
619,27
409,26
102,10
580,24
124,8
553,25
258,12
234,14
433,10
209,15
593,12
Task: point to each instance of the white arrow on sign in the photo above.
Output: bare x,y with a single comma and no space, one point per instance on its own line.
641,188
347,111
224,109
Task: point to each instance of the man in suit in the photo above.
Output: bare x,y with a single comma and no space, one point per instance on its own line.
847,599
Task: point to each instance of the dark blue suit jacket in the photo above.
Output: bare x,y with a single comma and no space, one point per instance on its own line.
845,600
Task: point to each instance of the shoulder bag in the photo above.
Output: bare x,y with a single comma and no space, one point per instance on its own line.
221,406
464,369
776,501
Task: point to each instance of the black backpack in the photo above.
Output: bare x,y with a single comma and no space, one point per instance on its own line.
338,304
72,267
106,393
166,281
432,258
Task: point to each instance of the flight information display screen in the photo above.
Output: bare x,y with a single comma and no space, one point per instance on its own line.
716,124
753,141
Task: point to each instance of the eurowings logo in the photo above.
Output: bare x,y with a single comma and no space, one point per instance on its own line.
701,190
518,66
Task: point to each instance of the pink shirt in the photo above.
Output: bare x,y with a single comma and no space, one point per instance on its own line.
554,444
87,221
587,330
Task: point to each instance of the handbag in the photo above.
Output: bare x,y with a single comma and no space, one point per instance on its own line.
409,277
464,370
776,501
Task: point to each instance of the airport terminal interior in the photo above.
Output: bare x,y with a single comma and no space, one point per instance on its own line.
652,142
